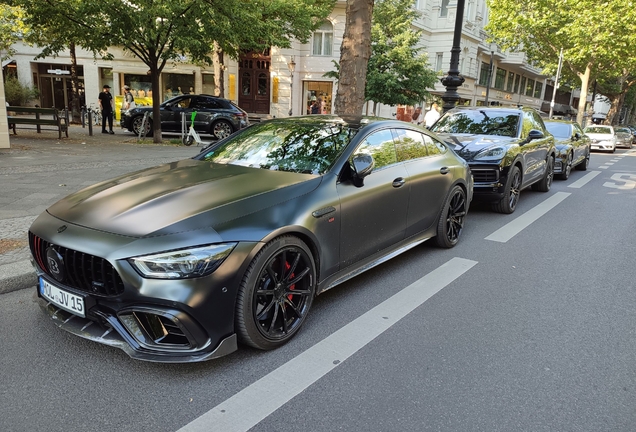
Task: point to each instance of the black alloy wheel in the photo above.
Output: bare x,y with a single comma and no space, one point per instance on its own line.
582,166
276,293
546,182
222,129
136,126
451,221
508,202
567,168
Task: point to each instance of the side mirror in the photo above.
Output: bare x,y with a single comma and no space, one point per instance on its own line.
535,134
577,136
362,165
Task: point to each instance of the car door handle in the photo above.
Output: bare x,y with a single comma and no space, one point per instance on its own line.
444,170
398,182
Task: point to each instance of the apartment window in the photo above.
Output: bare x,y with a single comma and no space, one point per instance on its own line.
515,88
468,13
443,10
500,78
537,89
484,74
522,86
529,87
510,82
439,58
323,40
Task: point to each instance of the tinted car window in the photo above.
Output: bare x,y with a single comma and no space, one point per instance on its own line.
409,145
183,103
481,122
379,145
433,146
205,103
293,147
559,130
530,122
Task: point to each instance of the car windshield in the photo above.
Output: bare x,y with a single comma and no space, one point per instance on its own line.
623,130
480,122
309,148
598,130
559,130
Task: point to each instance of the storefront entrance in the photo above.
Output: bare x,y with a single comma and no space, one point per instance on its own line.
254,82
55,86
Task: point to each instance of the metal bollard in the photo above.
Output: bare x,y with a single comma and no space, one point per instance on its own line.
90,123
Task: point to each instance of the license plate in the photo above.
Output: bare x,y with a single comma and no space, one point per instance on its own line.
64,299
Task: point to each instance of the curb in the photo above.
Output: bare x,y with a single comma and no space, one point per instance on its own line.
16,276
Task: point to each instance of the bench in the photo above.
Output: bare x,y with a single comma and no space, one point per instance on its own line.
43,117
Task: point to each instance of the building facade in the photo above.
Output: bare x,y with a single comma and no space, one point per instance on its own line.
280,82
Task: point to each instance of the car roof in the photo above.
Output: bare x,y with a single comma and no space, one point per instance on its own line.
559,121
494,108
354,122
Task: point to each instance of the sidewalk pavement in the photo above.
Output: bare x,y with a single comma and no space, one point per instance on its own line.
40,169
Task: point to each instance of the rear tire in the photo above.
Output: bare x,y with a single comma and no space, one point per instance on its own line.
584,164
276,293
451,221
508,202
546,182
222,129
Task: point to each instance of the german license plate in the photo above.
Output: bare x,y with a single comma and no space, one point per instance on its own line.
64,299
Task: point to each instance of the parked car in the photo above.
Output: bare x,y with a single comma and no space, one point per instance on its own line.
508,149
623,137
572,147
215,116
177,262
601,137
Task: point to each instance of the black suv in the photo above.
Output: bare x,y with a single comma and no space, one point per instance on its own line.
508,149
215,116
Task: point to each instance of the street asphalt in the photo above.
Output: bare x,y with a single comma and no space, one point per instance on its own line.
39,169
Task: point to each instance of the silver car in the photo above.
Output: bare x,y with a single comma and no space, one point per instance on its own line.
623,137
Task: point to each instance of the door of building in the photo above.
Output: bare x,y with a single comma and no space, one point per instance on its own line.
254,82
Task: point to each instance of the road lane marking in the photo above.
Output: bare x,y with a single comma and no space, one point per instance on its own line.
251,405
584,180
609,163
513,228
603,167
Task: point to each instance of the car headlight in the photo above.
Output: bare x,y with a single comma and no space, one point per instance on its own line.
494,153
183,263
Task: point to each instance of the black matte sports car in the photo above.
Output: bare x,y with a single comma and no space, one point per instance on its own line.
179,262
507,148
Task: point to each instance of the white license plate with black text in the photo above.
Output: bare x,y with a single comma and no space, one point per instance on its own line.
64,299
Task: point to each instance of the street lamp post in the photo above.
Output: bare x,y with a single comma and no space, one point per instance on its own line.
492,54
292,67
453,80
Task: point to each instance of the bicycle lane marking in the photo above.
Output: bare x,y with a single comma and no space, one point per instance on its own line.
232,415
513,228
584,180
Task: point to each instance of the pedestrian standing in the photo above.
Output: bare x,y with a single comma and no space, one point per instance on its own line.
315,105
106,105
129,100
431,116
416,117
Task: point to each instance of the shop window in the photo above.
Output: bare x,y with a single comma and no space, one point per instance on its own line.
484,74
537,89
323,40
177,84
529,87
516,86
510,82
208,84
522,86
315,90
500,78
246,84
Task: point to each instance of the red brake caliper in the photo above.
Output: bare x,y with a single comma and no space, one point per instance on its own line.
291,276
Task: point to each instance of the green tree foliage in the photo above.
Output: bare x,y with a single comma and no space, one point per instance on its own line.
12,28
18,94
595,36
397,72
158,32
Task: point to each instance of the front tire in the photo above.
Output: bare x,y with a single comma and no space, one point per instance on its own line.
222,129
276,293
451,221
567,169
136,126
508,203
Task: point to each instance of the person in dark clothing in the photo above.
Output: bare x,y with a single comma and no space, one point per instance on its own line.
106,105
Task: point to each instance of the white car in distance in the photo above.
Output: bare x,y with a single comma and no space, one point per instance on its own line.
601,137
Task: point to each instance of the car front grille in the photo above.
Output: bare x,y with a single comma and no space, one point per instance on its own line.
485,175
82,271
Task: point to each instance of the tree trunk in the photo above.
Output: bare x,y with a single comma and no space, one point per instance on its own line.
219,67
585,82
354,57
155,73
75,96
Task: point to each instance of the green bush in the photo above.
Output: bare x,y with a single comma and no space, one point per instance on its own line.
18,94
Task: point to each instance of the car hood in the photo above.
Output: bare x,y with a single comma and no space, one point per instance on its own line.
165,199
469,145
600,137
